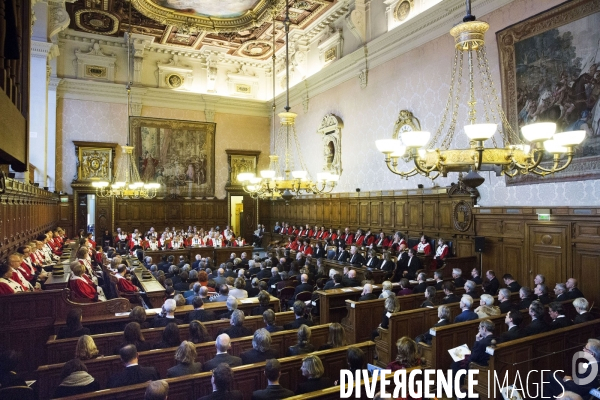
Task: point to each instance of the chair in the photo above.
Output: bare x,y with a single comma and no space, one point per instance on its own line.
286,294
17,393
304,296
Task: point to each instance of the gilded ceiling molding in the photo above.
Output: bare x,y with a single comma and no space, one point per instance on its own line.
253,17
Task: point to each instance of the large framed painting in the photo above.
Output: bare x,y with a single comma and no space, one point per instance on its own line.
241,161
549,69
180,155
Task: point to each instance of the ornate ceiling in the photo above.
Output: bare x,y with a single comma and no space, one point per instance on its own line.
239,27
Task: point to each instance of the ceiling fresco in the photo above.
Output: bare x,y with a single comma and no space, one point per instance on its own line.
252,39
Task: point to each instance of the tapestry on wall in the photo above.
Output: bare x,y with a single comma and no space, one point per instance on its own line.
549,68
180,155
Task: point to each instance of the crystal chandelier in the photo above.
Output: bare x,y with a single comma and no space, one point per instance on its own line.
274,183
433,157
127,181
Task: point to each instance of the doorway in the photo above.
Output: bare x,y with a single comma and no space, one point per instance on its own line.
236,208
87,213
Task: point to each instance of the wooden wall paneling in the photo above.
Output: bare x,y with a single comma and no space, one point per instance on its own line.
319,215
463,247
586,269
400,214
387,212
250,218
375,214
444,213
354,218
488,225
344,216
364,207
312,212
103,216
513,260
415,215
549,250
335,213
492,256
431,214
586,232
306,217
513,228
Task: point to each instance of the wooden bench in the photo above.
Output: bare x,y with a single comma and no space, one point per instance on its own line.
545,351
162,359
105,321
247,378
62,350
378,275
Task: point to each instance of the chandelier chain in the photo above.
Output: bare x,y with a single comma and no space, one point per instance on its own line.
487,97
450,136
448,103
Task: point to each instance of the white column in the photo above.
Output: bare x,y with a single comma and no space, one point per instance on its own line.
51,132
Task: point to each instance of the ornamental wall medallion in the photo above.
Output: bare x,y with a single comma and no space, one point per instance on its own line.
331,129
94,161
402,10
96,21
462,216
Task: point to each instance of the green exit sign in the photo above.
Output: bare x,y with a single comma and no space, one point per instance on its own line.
543,217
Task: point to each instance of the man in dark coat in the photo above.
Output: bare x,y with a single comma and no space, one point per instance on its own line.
223,344
274,390
513,319
133,373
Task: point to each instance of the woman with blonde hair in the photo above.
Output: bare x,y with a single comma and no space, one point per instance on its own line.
239,292
86,348
408,354
312,368
337,337
186,361
392,305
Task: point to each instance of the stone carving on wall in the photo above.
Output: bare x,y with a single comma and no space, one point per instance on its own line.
242,83
95,64
331,129
330,48
174,74
398,11
462,216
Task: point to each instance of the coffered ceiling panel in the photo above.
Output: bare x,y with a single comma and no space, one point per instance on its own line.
242,28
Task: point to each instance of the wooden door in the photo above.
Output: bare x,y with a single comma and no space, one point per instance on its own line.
248,222
104,217
549,252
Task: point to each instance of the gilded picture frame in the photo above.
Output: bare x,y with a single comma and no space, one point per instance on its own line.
549,70
241,161
95,161
180,155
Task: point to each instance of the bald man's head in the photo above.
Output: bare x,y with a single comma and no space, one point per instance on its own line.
368,288
352,274
223,343
304,278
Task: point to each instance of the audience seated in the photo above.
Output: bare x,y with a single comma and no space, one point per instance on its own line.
261,348
504,299
222,380
486,307
408,355
269,319
511,283
557,313
264,300
138,314
367,293
421,285
273,390
303,346
86,349
170,337
581,307
478,352
470,289
299,309
466,302
458,281
133,335
444,319
537,324
74,327
199,313
526,297
573,291
541,293
237,328
337,337
491,285
157,390
312,369
404,288
75,380
133,372
386,290
513,320
448,288
9,359
430,293
223,344
560,292
167,315
186,361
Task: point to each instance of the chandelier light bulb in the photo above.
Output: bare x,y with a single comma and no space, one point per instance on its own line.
480,132
571,138
388,146
552,146
538,132
415,138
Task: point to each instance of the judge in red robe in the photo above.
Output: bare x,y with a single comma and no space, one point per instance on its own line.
123,283
423,246
7,284
80,284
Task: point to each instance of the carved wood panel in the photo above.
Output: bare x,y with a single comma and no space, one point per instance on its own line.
375,214
430,214
513,260
400,214
353,213
464,247
586,268
415,215
548,251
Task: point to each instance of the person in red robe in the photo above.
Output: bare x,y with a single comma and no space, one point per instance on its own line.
7,284
123,283
79,283
423,246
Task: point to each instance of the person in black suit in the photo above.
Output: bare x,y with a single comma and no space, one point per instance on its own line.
74,328
133,373
429,297
199,313
367,293
355,257
167,315
560,291
448,288
478,353
510,283
223,344
342,254
264,300
372,261
413,264
470,289
573,292
274,390
459,281
541,293
444,319
275,277
312,368
304,286
185,357
438,277
261,348
335,283
552,386
513,319
581,307
387,264
505,304
421,283
319,251
475,277
299,308
269,320
237,328
526,297
222,379
351,280
557,313
537,324
492,285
